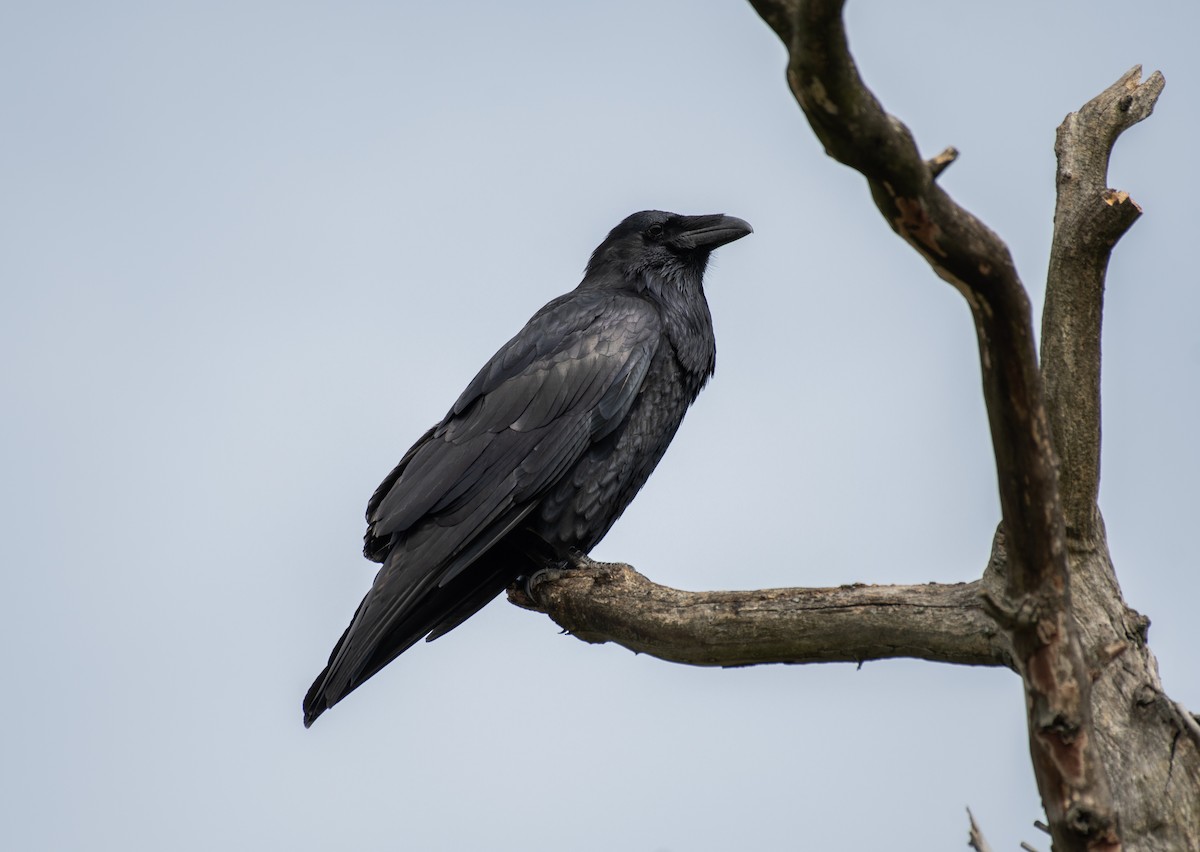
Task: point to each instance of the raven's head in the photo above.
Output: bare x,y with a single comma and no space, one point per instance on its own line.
664,246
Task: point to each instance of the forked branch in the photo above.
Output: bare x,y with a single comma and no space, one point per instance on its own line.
857,131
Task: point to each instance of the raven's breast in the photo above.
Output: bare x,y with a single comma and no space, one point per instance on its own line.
578,511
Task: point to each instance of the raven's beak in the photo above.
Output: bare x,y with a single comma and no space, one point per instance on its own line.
709,232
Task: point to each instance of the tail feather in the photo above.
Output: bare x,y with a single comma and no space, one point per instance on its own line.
434,614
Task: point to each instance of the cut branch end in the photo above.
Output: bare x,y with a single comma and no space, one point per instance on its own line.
942,161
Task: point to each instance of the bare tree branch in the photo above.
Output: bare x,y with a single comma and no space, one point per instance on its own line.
1148,747
976,839
942,161
1088,220
857,131
610,602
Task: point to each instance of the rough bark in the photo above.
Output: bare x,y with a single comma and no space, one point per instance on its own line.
610,602
1146,742
1089,218
1116,761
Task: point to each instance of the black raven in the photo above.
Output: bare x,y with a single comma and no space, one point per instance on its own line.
544,449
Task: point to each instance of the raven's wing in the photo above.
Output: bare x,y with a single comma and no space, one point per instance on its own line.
564,382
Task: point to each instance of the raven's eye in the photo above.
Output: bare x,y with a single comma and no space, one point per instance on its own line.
655,232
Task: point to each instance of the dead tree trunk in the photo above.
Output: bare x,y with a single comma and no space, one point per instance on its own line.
1117,762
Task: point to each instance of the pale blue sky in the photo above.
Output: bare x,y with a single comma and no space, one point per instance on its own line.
250,251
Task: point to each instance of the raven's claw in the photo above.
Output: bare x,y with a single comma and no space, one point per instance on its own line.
531,581
576,558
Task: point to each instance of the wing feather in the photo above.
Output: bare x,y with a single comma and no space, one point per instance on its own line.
526,418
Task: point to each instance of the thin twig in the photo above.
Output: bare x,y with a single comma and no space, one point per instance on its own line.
976,840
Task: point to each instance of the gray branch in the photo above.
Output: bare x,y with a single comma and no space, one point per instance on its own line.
610,602
1088,220
1036,611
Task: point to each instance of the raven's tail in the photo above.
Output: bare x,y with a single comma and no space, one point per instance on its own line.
319,697
434,613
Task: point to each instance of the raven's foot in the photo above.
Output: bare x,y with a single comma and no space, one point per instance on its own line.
576,558
573,560
530,583
523,591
